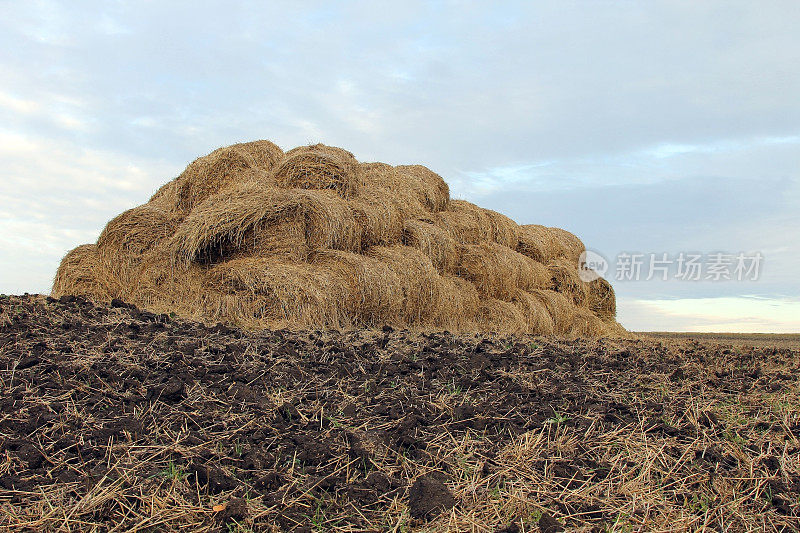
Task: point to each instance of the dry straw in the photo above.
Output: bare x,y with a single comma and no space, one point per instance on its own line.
429,186
565,279
420,282
127,237
498,271
504,231
318,167
466,222
586,324
500,317
313,238
166,199
383,202
538,319
544,244
385,180
568,245
165,287
601,299
285,239
379,219
560,309
460,305
432,241
283,293
81,273
221,168
375,291
234,218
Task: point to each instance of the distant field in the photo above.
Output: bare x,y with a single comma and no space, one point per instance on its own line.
783,340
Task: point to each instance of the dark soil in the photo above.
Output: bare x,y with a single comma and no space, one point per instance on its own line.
123,417
429,496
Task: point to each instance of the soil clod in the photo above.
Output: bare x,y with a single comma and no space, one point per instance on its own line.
429,496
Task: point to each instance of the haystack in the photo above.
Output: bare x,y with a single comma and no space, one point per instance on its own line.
429,186
601,300
420,282
538,319
312,238
560,309
245,216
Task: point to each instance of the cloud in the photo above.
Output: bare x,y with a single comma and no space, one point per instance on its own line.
742,314
18,105
732,158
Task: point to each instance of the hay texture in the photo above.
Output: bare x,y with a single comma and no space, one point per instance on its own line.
312,238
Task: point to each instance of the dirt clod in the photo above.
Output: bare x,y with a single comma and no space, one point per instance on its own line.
548,524
429,496
235,509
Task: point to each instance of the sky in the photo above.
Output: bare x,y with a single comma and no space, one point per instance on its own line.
646,128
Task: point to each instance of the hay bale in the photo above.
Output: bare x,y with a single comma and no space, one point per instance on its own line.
469,224
379,220
537,242
380,179
277,293
504,231
375,290
586,324
265,154
460,305
466,222
601,300
545,244
81,273
498,271
215,230
318,166
498,316
560,309
432,241
569,246
565,279
537,317
285,239
383,201
213,173
127,237
420,282
431,189
165,287
166,199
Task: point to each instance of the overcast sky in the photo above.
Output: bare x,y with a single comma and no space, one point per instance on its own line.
643,127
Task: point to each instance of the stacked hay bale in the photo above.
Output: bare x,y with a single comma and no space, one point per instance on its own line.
312,238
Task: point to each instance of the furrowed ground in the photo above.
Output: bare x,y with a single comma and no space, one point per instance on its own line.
112,418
